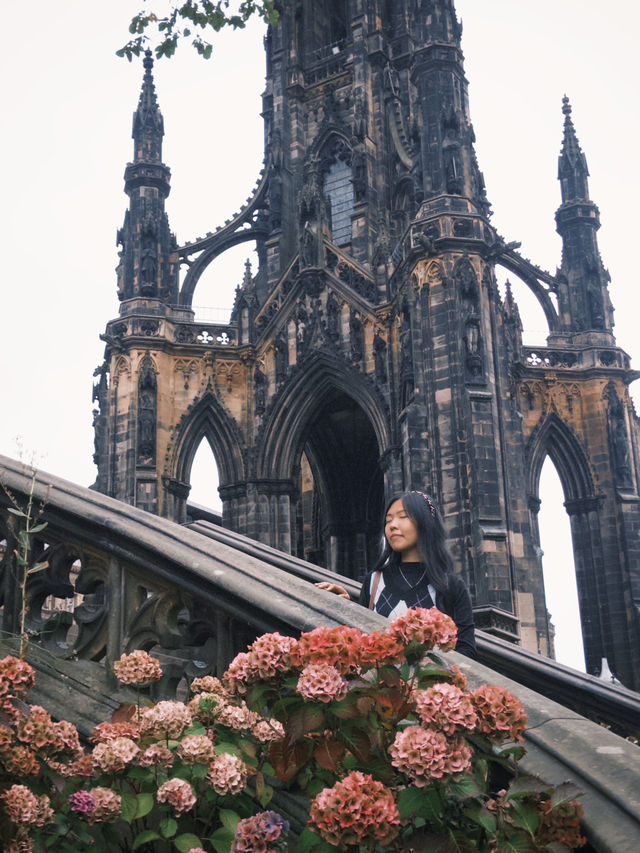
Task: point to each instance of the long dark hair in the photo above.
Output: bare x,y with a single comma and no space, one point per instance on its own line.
432,544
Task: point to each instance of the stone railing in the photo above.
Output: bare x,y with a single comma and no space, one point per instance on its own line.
128,579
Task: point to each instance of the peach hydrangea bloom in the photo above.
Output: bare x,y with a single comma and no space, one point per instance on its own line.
156,755
17,677
445,707
254,834
19,760
339,647
268,730
500,715
108,806
227,774
208,684
139,667
24,807
425,626
356,810
114,755
178,793
380,647
269,655
426,754
38,730
321,682
165,720
194,749
108,731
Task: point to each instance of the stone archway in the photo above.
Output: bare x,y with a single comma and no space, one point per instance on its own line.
341,488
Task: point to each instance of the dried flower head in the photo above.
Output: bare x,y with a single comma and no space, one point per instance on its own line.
500,715
139,667
178,793
426,754
356,810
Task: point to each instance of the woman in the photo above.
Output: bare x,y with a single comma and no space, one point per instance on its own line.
416,568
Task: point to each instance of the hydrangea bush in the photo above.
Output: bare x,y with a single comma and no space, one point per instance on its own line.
387,743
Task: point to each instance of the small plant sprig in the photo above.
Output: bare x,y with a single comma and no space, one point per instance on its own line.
25,525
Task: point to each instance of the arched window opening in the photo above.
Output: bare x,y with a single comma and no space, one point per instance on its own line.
338,188
215,291
341,489
535,328
558,570
205,479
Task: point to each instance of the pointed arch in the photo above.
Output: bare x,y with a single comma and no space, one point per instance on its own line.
207,419
553,438
283,432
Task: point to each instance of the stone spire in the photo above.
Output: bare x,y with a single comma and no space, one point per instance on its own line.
572,164
145,268
148,125
583,295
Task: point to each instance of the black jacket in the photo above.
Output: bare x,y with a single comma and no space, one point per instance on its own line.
455,602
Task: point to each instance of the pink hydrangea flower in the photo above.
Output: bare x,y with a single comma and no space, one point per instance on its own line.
425,754
268,730
208,684
255,834
156,755
445,707
114,755
227,774
178,793
24,807
356,810
107,808
108,731
194,749
269,655
425,626
380,647
321,682
339,647
165,720
38,730
139,667
82,801
17,677
500,715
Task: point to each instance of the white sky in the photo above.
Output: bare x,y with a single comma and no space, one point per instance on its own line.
67,106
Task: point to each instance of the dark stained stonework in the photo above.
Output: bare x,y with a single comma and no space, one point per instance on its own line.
371,351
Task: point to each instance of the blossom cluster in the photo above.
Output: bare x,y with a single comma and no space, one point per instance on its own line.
137,668
356,809
258,833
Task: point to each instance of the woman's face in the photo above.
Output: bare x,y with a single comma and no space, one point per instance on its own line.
401,533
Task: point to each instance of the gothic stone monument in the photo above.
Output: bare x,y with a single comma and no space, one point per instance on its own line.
372,351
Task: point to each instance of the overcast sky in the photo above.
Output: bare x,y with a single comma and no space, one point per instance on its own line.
67,109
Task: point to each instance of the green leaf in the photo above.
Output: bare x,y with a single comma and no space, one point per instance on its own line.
38,528
168,827
564,794
146,836
527,786
222,839
229,819
186,841
517,843
226,746
17,512
145,804
527,815
464,788
129,807
479,814
424,802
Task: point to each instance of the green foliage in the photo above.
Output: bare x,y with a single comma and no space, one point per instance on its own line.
203,16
